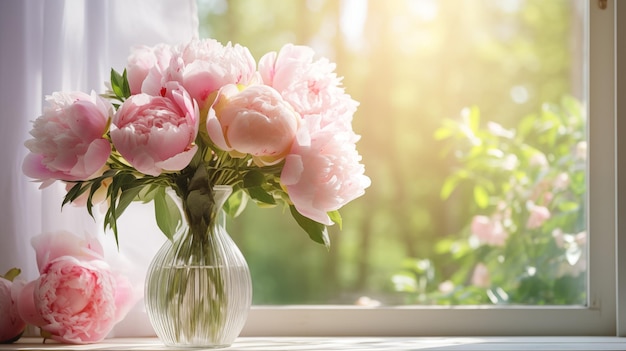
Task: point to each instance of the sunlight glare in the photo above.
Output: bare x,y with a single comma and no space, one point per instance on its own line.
352,21
426,10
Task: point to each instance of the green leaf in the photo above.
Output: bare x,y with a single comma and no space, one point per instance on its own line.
147,193
317,231
442,133
526,126
120,199
471,117
253,179
259,194
11,274
127,196
481,197
95,185
119,84
448,187
116,83
335,216
451,182
167,214
569,206
125,85
76,190
236,203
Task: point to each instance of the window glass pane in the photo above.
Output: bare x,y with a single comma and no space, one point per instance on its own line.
473,130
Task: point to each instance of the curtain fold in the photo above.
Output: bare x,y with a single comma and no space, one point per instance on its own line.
54,45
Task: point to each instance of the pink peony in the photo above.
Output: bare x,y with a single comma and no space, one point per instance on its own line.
537,216
322,171
144,62
11,324
480,276
561,182
203,66
255,121
157,133
312,87
488,231
69,142
446,287
75,301
52,245
539,160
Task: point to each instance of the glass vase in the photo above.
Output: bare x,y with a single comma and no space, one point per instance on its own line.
198,286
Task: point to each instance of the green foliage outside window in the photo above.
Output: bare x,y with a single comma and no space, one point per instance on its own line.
525,242
410,64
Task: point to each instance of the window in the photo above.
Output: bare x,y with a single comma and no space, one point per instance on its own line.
401,241
603,313
596,316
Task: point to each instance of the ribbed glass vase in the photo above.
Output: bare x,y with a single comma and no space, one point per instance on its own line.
198,286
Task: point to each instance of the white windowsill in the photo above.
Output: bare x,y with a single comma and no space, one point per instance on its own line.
353,343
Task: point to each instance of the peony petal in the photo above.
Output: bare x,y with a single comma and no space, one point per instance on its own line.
52,245
177,162
201,78
267,68
215,132
33,167
316,215
26,305
125,297
94,159
292,171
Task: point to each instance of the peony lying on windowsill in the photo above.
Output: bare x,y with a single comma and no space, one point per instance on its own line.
76,299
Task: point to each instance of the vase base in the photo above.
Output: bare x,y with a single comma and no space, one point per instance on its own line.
196,347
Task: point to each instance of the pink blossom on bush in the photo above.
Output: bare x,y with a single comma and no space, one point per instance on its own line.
147,61
311,87
446,287
156,134
76,301
68,139
480,276
561,181
537,216
203,66
539,160
323,172
489,231
11,324
255,121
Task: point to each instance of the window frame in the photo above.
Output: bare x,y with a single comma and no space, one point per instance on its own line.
604,314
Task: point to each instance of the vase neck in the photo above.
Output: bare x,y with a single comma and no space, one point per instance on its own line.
203,211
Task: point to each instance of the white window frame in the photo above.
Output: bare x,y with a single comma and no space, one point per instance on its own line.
605,313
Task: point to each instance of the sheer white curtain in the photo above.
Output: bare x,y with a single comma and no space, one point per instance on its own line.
53,45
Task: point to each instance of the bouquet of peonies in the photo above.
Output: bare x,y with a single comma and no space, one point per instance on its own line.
279,133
